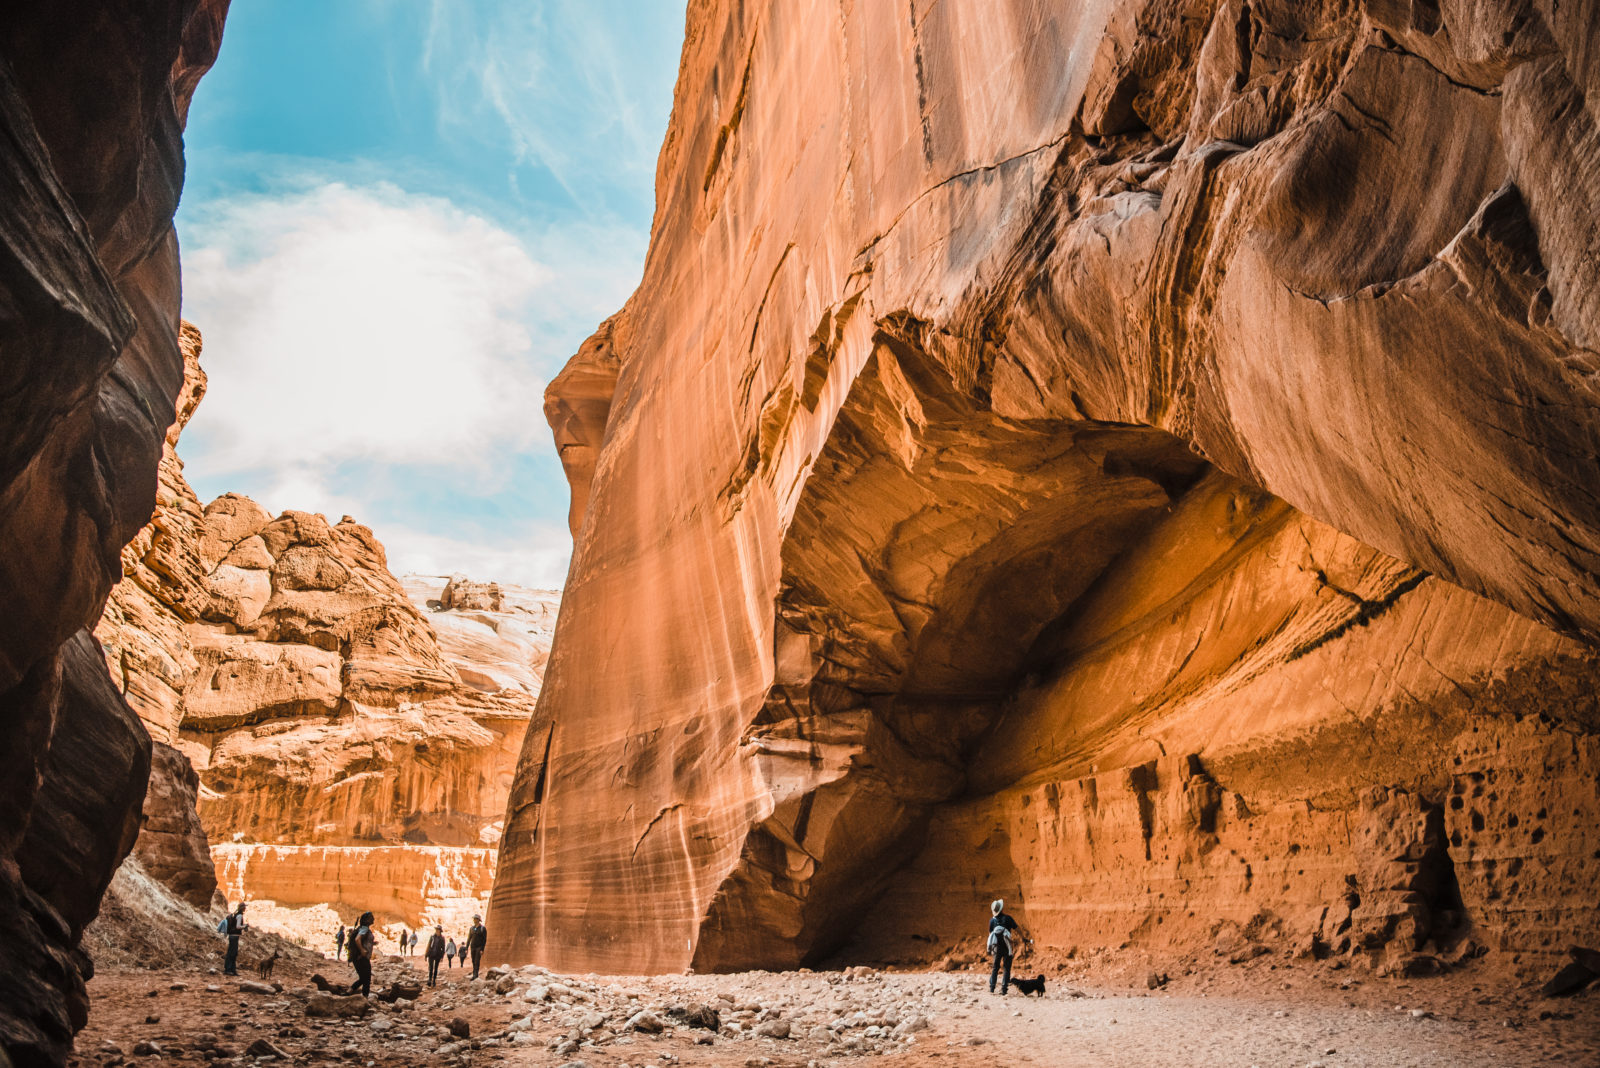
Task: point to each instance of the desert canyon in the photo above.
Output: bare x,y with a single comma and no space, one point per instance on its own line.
1139,459
352,738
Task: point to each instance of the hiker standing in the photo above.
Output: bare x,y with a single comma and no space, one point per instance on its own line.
1002,945
233,926
450,952
477,938
361,946
435,954
338,943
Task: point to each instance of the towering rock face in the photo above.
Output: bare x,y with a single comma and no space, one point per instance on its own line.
1136,459
92,103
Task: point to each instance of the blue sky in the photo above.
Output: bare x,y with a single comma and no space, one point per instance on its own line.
400,219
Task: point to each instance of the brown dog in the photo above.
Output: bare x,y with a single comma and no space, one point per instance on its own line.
264,969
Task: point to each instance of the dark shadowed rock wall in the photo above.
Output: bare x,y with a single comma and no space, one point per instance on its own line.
92,101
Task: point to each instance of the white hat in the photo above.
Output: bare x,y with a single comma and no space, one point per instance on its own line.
996,907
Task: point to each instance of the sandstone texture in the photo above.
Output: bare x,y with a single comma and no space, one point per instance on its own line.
341,738
93,98
321,710
1135,459
496,635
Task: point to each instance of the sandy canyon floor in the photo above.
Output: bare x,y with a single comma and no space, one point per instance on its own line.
1266,1014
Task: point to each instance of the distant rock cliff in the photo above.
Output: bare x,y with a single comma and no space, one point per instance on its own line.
1136,459
316,702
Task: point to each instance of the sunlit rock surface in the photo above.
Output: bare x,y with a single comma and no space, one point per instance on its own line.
1119,457
93,99
313,695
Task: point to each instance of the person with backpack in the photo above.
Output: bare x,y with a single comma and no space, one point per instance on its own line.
435,954
450,952
477,938
338,943
1003,938
233,926
361,945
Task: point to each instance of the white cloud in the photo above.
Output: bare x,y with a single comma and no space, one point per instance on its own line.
403,337
344,323
533,554
574,84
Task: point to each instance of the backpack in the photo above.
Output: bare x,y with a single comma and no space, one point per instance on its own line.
1000,938
358,951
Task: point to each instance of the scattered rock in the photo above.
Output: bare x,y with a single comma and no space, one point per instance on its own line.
774,1029
250,986
1155,981
395,991
146,1049
331,1005
703,1016
460,1028
1569,980
262,1048
644,1021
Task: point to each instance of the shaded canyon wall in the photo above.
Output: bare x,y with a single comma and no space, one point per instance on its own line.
93,99
1136,458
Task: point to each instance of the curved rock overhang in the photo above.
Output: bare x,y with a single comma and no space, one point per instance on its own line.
1029,401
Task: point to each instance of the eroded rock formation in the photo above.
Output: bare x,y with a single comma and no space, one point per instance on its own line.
317,703
92,103
1136,459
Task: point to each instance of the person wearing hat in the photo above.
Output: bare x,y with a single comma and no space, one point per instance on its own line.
1002,945
435,954
477,938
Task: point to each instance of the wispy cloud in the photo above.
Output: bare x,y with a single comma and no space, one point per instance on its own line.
565,79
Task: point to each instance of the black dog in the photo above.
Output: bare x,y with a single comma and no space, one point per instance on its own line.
1030,986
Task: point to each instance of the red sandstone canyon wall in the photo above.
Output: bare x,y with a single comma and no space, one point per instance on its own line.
1134,458
92,103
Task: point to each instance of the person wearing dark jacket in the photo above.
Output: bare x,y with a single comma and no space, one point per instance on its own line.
338,943
233,927
477,938
435,954
361,946
1003,936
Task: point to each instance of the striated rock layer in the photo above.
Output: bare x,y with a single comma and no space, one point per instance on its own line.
93,98
1134,458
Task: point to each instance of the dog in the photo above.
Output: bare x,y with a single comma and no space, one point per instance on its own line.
264,969
1030,986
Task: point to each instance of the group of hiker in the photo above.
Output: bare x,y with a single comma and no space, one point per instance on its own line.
358,946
